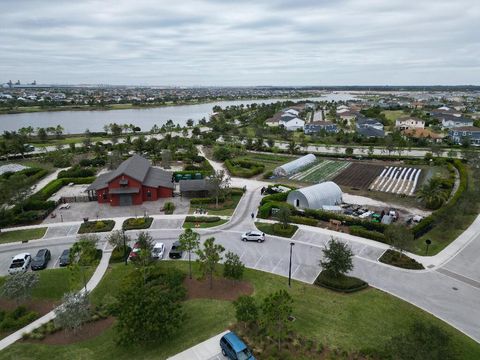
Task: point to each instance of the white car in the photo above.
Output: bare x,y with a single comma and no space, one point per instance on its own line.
253,236
64,206
158,250
20,263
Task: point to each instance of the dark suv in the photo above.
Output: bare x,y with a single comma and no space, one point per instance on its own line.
176,251
65,258
234,348
40,261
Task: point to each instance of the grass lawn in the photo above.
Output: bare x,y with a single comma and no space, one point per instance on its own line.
393,115
271,161
224,209
203,225
21,235
363,320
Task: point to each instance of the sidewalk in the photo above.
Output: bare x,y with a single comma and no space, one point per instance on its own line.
92,283
207,350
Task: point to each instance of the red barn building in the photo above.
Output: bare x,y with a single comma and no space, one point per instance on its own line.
132,183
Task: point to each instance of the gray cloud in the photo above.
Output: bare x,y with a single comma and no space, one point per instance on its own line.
219,42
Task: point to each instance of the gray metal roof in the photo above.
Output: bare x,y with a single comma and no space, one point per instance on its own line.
125,190
157,177
194,185
317,196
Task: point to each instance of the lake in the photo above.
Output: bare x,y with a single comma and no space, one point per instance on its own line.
75,122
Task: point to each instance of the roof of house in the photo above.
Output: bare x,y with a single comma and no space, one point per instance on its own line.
457,119
370,132
407,118
467,128
195,185
138,168
320,123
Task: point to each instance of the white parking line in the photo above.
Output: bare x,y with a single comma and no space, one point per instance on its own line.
279,261
296,269
255,266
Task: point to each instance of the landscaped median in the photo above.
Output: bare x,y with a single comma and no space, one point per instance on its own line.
395,258
22,235
226,204
203,222
277,229
341,283
137,223
96,226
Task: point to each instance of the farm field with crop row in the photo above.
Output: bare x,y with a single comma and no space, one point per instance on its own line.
397,180
321,171
358,175
271,161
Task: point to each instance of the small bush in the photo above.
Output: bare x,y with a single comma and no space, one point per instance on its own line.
202,219
303,220
137,223
397,259
343,283
362,232
96,226
168,208
76,172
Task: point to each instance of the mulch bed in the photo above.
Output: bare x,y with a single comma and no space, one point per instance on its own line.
88,331
39,306
223,289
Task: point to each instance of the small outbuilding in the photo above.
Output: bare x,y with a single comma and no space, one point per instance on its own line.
295,166
316,196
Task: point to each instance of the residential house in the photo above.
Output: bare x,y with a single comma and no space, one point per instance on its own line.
450,122
293,124
292,111
369,127
408,122
132,183
457,135
317,126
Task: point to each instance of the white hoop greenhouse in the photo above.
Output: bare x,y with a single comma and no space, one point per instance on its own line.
294,166
316,196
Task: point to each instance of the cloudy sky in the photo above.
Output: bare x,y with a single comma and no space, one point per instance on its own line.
227,42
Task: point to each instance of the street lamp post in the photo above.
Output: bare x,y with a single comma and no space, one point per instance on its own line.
290,266
124,247
428,242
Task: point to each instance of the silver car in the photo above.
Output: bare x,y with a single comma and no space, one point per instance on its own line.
20,263
253,236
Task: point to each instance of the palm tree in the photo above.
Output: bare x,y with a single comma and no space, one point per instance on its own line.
432,194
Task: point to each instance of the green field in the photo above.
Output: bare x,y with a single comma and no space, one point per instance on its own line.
22,235
355,322
271,161
322,170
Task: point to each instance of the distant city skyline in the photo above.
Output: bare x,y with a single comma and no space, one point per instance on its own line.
247,43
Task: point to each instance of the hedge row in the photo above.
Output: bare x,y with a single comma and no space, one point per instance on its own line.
265,210
202,219
96,226
275,197
244,168
76,172
137,223
362,232
347,220
394,258
303,220
55,185
428,222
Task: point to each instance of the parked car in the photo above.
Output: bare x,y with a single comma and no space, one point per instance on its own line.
65,258
135,251
176,251
253,236
19,263
234,348
158,251
40,261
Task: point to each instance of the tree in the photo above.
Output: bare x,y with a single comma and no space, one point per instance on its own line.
276,309
209,257
166,158
349,151
246,310
58,131
292,147
87,139
74,311
19,286
398,236
189,241
189,122
233,268
83,254
432,194
20,191
220,183
283,215
42,134
337,258
422,341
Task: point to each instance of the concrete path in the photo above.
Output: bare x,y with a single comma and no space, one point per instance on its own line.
92,283
207,350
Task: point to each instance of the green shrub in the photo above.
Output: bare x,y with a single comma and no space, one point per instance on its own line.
277,229
76,172
118,254
275,197
202,219
343,283
265,210
96,226
303,220
362,232
137,223
397,259
17,318
244,168
168,208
